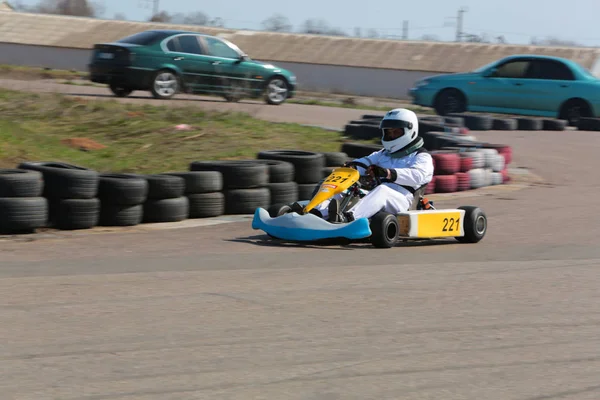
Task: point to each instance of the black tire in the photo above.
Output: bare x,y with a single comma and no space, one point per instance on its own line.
385,230
372,116
554,124
588,124
573,110
246,201
65,181
279,171
475,224
22,214
237,174
120,90
457,121
286,192
450,101
21,183
529,124
306,191
124,189
74,214
165,73
370,122
363,132
206,205
197,182
166,210
120,214
504,124
307,164
278,209
164,186
335,158
358,150
476,122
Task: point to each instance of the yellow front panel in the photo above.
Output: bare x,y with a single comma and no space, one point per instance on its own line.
439,224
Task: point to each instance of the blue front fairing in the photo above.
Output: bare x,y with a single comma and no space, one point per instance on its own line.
308,227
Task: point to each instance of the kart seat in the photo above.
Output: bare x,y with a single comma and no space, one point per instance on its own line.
417,198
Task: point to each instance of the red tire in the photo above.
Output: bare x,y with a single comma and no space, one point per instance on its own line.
446,163
430,188
466,163
505,176
446,183
463,181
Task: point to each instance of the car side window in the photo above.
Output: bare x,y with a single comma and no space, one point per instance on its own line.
512,69
190,44
218,48
173,45
553,70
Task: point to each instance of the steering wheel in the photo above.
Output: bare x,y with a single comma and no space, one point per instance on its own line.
349,163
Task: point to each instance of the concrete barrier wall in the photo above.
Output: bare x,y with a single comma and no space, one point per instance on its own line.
319,78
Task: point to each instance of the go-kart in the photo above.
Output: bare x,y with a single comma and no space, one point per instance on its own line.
468,224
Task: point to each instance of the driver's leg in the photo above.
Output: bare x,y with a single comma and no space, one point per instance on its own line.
323,208
381,198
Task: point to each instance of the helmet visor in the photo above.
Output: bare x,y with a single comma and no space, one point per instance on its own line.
394,128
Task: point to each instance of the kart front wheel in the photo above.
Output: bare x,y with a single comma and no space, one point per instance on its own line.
276,210
385,230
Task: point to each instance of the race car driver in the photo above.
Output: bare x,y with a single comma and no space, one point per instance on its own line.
403,165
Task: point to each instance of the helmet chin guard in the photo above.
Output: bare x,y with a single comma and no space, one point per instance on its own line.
399,118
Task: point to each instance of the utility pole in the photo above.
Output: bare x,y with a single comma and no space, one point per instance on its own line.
459,23
156,7
405,30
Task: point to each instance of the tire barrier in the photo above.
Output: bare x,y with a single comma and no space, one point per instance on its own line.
58,195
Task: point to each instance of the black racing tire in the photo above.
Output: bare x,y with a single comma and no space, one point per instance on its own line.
174,209
284,192
504,124
206,205
358,150
246,201
529,124
588,124
554,124
16,182
237,174
475,224
307,191
22,214
307,164
124,189
335,158
363,132
120,214
450,101
476,122
279,171
385,230
197,182
164,186
65,181
74,214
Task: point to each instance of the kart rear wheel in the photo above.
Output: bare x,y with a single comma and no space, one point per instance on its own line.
276,210
475,224
385,230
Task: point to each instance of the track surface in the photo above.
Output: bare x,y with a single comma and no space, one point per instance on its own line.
220,312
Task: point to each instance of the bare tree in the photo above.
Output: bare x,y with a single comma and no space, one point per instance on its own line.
430,38
120,16
277,23
554,41
195,18
372,33
161,16
320,27
79,8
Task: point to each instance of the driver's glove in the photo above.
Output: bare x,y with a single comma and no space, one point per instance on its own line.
376,170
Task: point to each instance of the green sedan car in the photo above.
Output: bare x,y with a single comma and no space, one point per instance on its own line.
167,62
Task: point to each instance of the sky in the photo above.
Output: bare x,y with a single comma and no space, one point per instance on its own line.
516,20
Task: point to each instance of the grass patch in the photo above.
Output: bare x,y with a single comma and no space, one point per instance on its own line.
21,72
139,138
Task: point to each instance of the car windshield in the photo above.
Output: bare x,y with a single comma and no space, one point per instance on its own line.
233,47
143,38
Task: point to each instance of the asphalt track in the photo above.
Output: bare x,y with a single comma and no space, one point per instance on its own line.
220,312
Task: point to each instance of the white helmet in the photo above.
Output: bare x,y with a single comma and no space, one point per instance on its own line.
399,118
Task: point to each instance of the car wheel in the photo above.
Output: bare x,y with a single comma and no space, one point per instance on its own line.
450,101
120,90
165,85
474,223
276,91
573,110
385,230
234,92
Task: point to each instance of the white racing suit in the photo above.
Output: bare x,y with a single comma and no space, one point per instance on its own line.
413,170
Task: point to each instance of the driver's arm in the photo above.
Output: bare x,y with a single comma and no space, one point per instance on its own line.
418,174
371,159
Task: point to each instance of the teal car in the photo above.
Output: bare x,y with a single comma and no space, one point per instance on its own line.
167,62
532,85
